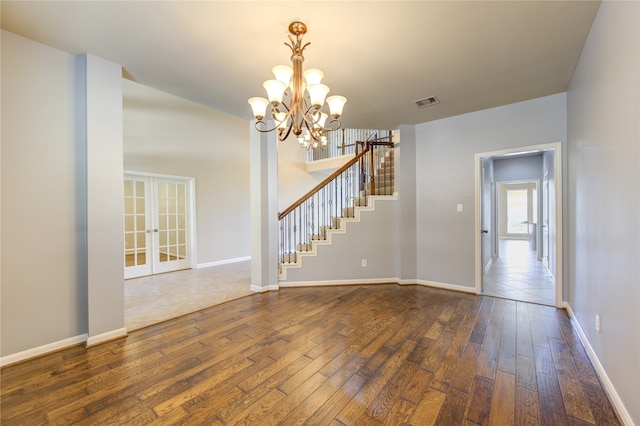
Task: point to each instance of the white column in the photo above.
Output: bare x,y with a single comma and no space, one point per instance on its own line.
264,210
105,228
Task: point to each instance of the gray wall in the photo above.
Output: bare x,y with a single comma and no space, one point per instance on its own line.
164,134
373,238
604,195
445,151
43,284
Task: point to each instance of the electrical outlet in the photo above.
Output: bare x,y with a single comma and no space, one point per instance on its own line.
598,324
364,263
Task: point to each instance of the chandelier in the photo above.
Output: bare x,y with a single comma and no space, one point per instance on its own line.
301,113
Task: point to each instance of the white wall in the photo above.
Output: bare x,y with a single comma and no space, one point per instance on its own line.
293,179
44,288
445,151
604,195
165,134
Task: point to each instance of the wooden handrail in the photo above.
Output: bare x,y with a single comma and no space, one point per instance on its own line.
319,186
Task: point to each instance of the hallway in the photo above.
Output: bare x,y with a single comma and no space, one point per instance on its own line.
517,274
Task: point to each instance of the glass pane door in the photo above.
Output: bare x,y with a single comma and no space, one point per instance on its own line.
157,230
136,231
171,222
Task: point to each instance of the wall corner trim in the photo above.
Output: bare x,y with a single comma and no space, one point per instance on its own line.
42,350
258,289
105,337
618,405
222,262
445,286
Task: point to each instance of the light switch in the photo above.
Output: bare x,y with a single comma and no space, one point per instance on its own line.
459,208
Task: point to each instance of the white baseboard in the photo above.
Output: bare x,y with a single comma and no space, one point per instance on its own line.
359,281
445,286
222,262
105,337
618,405
258,289
42,350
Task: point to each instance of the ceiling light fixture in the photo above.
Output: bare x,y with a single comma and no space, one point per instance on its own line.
302,114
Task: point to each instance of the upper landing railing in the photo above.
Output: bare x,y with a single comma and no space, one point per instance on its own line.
343,142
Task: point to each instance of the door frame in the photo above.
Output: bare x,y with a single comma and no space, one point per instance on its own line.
191,206
556,147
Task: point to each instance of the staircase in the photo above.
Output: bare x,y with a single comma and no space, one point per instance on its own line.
325,210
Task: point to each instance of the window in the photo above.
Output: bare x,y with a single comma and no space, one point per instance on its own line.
517,207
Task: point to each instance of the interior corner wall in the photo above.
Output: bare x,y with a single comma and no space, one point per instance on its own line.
165,134
604,196
44,288
405,170
445,155
264,210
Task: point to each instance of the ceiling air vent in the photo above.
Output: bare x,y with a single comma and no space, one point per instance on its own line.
425,102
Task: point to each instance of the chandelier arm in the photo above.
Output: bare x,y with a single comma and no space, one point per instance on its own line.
331,129
312,132
265,125
309,117
304,47
286,134
290,46
286,107
275,111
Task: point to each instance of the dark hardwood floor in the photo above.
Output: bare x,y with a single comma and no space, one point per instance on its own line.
356,355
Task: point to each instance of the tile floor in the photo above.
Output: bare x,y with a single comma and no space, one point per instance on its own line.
517,274
156,298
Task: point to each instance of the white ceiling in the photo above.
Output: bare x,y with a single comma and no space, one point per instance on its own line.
381,55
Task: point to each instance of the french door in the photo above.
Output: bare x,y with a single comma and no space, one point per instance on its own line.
157,224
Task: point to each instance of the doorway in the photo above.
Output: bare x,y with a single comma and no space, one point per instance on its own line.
158,224
518,227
